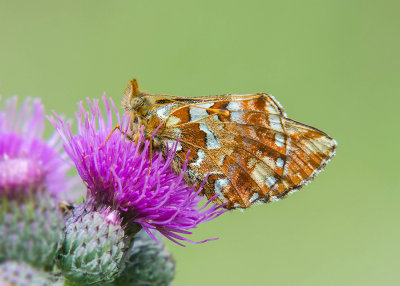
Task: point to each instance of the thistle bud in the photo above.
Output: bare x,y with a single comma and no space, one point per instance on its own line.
19,273
94,246
148,263
30,229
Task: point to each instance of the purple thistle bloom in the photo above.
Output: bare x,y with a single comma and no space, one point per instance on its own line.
27,162
117,174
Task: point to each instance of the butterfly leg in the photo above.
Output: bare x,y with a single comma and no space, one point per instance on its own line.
113,130
109,136
131,136
150,154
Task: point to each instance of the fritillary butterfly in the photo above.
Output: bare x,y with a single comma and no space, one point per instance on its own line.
246,144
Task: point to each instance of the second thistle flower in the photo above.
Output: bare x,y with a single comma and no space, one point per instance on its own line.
33,179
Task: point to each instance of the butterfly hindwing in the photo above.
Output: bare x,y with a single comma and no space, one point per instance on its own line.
253,154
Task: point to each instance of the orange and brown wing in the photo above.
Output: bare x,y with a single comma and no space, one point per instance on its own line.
253,154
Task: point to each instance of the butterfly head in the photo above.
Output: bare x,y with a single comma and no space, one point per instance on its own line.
134,100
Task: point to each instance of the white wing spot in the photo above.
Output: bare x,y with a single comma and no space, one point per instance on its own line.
273,199
259,174
236,116
212,142
279,163
233,106
279,140
219,184
275,122
270,181
173,120
270,108
198,113
254,197
163,112
279,105
200,155
293,191
205,105
269,161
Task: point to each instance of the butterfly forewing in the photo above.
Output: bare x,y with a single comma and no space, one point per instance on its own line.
246,145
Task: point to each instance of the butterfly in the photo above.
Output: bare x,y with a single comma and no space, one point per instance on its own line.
244,145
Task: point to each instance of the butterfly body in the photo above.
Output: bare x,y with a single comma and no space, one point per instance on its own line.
246,145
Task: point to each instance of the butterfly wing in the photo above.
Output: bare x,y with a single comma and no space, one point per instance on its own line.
252,153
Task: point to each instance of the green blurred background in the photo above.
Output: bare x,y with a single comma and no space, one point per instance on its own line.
332,64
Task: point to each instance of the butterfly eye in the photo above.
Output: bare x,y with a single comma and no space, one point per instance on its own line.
136,103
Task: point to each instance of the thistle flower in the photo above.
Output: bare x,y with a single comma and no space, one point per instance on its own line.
27,162
119,174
